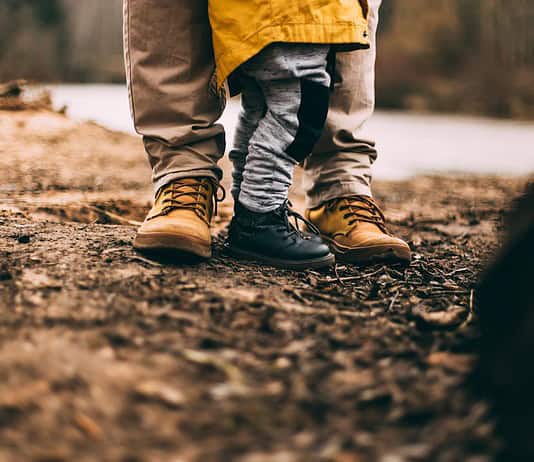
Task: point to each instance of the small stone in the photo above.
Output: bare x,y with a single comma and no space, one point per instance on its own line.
377,396
5,275
282,363
274,389
224,391
363,439
24,239
107,353
304,439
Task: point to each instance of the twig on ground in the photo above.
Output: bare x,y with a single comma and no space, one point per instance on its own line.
286,307
394,299
296,293
441,293
471,313
459,270
233,373
145,260
336,272
319,296
353,278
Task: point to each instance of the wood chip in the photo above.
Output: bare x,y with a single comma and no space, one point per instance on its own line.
461,363
161,392
88,426
452,317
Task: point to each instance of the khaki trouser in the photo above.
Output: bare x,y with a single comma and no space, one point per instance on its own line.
175,102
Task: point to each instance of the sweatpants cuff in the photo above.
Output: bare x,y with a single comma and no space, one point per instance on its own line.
337,191
170,177
252,205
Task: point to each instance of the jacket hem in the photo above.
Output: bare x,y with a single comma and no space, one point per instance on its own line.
346,36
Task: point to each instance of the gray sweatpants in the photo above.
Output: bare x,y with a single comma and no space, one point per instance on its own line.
285,97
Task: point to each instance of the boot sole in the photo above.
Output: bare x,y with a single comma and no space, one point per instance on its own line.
300,265
164,243
370,254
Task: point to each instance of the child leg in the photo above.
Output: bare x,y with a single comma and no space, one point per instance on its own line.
253,108
295,84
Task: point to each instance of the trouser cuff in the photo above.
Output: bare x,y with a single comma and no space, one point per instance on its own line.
170,177
336,191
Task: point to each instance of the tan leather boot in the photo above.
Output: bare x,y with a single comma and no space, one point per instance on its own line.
355,229
180,218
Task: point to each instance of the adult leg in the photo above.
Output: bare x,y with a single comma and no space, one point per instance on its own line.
338,174
175,104
341,162
173,95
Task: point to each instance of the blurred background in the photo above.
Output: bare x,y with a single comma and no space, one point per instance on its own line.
474,56
470,58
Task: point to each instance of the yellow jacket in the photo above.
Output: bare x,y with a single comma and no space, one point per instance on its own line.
242,28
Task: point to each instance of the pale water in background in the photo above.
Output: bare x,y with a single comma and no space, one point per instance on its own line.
408,144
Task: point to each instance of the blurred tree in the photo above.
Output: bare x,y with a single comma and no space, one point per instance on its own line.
458,55
49,13
95,39
61,39
31,39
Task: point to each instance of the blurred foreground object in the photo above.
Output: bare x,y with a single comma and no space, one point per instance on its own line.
506,302
16,96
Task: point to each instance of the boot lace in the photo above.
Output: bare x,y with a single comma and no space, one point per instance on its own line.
361,208
294,231
203,202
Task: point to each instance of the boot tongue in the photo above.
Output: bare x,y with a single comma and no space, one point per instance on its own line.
191,193
192,187
364,210
357,206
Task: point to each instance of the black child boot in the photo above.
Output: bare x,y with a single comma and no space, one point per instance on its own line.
270,238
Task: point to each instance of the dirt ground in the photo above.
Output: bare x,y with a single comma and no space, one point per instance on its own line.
108,356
